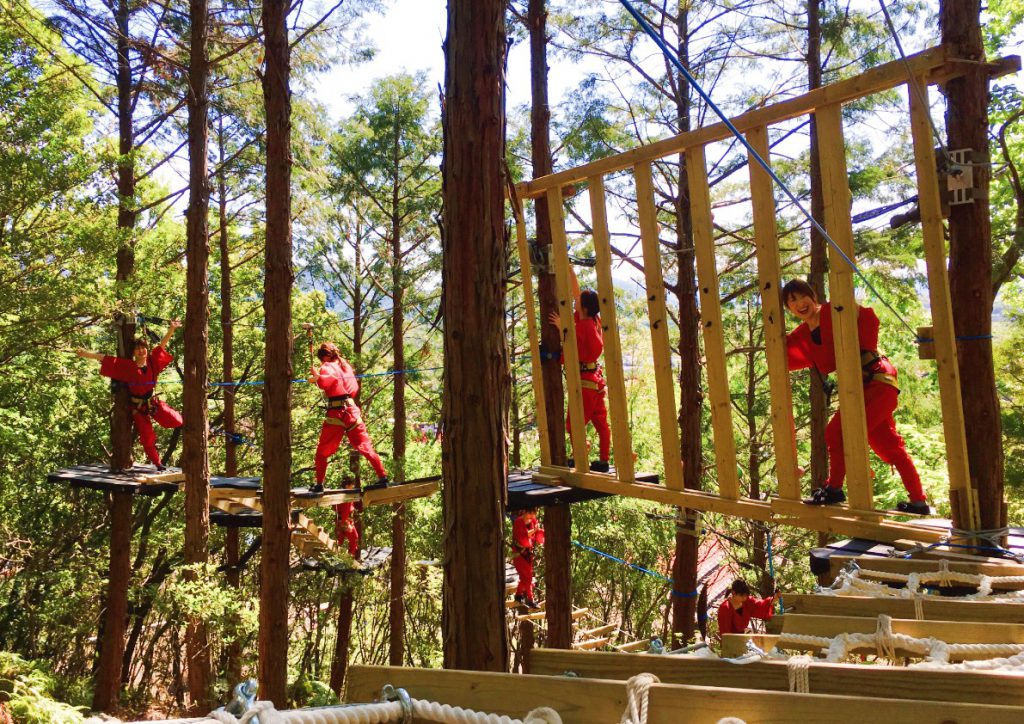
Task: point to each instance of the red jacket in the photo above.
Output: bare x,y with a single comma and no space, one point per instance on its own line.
803,352
733,621
338,378
589,345
140,380
526,534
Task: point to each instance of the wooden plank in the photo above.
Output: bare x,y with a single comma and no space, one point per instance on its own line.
614,371
769,275
719,394
574,390
836,186
837,679
398,493
599,631
315,532
526,272
959,632
659,321
919,565
874,80
632,646
592,701
944,336
932,608
591,644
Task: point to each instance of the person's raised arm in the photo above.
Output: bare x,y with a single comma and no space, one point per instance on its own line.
575,288
86,354
171,329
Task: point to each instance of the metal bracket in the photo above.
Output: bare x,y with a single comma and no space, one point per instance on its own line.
960,177
540,258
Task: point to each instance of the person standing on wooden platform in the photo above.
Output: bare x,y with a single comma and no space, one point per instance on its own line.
336,377
527,534
140,375
590,347
811,345
739,607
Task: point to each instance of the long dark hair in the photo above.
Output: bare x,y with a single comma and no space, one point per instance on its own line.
798,288
328,352
589,301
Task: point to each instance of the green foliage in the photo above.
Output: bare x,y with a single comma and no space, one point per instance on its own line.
34,694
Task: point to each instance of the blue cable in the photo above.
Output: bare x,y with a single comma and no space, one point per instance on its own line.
260,383
634,566
672,58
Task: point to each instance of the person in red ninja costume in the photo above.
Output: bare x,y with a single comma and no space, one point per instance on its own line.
336,377
140,375
811,345
526,535
590,347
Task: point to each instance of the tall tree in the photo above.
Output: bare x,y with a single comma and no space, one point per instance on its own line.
476,378
277,307
970,261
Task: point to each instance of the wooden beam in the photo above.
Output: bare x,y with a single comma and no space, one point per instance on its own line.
526,272
573,388
591,644
881,78
397,493
918,565
658,317
719,394
944,336
836,185
932,608
959,632
837,679
613,369
769,275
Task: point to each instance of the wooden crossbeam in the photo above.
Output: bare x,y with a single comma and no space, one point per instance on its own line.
837,679
632,646
920,565
598,631
589,644
593,701
959,632
932,608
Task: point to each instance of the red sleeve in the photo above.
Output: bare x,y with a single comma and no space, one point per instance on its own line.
326,378
726,619
762,608
116,368
796,348
520,534
538,536
350,382
159,358
867,328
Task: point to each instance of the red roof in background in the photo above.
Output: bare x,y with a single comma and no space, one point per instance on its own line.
715,569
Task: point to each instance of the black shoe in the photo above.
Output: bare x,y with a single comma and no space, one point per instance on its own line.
531,604
919,507
520,599
160,468
570,463
599,466
317,488
381,483
826,496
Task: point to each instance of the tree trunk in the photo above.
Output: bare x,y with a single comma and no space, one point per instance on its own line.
233,650
339,662
277,307
396,612
970,262
195,453
684,570
115,620
557,519
476,378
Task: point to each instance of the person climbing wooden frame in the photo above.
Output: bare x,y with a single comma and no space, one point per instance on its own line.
336,377
527,534
140,374
739,607
590,346
810,346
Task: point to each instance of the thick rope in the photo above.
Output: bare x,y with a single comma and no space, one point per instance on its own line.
638,692
866,582
799,668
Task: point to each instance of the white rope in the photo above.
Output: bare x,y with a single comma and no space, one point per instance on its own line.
799,668
866,582
918,608
731,720
885,646
638,691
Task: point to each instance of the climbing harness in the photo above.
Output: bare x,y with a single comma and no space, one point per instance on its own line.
340,401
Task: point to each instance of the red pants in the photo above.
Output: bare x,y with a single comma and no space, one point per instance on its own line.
345,527
594,411
351,425
525,570
880,402
165,416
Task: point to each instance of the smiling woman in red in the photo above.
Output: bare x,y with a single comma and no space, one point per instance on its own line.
739,607
140,375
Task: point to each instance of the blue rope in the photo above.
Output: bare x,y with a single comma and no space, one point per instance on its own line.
674,59
964,338
635,567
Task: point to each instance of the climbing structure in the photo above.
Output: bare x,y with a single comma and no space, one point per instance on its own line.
860,517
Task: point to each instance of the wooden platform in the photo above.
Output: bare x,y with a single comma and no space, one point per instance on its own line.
372,558
99,477
525,490
933,608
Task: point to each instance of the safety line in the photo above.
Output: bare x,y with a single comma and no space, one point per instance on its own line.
634,566
260,383
674,59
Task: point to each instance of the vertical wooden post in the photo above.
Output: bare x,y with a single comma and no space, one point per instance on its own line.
711,323
526,272
115,621
844,305
658,316
944,336
623,442
769,276
560,259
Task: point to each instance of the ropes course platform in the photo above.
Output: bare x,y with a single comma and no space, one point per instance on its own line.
372,558
527,489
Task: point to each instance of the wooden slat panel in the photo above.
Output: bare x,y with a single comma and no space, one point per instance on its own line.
526,272
613,369
658,316
934,608
574,391
941,304
917,565
844,305
769,276
711,323
959,632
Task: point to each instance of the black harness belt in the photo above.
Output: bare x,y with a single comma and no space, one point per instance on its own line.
336,403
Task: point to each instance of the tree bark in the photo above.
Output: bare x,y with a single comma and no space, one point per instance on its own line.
476,377
273,633
557,518
970,262
226,322
396,612
108,673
